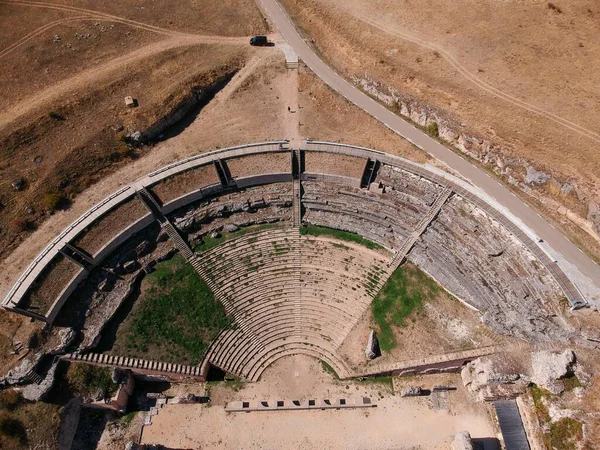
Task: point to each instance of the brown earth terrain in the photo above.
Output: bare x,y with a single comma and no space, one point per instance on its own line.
65,72
326,116
512,83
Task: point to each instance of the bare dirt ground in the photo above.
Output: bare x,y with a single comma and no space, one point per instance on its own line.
396,423
442,325
224,122
518,76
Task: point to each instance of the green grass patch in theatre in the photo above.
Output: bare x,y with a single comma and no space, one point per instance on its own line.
403,293
85,379
177,316
314,230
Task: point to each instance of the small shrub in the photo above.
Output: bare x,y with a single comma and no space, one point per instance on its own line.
19,225
571,382
432,130
330,370
565,433
126,420
85,378
12,431
554,8
56,116
53,201
10,399
538,394
121,137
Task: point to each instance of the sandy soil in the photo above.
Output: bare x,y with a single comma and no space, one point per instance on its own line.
396,423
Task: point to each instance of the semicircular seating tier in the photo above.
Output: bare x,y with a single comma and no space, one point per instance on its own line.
291,293
288,294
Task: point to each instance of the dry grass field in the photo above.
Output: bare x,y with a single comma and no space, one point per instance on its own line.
65,71
483,69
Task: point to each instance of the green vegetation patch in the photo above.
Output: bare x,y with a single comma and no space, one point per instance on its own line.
176,313
403,293
571,383
538,394
314,230
210,242
564,434
85,379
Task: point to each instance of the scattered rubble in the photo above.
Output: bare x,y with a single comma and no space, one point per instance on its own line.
411,391
494,377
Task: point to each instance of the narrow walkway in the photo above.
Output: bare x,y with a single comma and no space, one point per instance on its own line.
419,230
133,363
150,202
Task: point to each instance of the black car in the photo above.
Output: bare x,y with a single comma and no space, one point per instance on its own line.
259,41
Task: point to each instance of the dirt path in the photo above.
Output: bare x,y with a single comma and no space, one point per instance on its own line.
101,15
292,115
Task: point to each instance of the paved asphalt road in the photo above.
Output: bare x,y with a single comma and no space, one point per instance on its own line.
477,176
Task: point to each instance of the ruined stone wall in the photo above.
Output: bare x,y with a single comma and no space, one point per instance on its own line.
251,206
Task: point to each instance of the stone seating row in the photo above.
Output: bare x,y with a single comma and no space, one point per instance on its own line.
390,209
283,299
353,224
248,360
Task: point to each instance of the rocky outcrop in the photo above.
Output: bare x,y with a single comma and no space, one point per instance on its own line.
69,420
18,375
36,392
549,367
372,351
494,377
534,176
411,391
67,337
462,441
516,171
594,216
